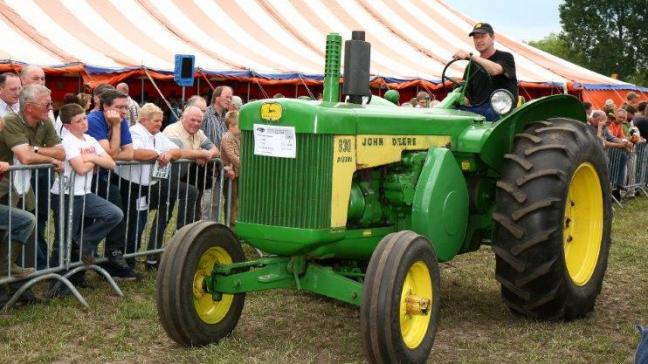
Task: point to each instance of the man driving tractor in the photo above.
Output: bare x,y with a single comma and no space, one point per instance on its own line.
492,69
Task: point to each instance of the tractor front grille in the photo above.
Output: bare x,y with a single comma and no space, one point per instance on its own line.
284,191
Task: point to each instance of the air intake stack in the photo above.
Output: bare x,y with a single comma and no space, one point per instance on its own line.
332,68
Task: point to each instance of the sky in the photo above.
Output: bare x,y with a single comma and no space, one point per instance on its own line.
522,19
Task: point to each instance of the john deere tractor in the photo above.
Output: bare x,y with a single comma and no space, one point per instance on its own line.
360,200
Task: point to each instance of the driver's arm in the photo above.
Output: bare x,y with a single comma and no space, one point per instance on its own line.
491,67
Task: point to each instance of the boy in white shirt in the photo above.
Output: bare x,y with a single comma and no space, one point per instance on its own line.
82,154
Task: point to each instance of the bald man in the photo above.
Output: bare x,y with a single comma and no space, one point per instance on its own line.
133,108
189,137
197,101
34,75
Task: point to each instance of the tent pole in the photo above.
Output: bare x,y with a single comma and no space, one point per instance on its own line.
619,95
426,89
265,95
198,87
248,92
526,92
207,79
161,94
306,87
296,90
142,91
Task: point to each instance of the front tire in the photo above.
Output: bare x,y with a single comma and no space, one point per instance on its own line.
401,300
188,313
553,221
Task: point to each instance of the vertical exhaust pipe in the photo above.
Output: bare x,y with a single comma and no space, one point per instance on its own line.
357,55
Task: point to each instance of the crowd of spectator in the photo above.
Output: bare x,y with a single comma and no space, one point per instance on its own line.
621,128
423,99
109,203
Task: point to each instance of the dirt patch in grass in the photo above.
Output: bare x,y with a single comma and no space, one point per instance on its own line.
293,327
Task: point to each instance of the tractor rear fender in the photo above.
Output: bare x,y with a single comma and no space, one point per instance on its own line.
440,206
493,141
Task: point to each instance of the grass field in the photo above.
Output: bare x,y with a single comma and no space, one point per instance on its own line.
291,327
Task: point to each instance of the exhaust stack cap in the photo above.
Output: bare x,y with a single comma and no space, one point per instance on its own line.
357,56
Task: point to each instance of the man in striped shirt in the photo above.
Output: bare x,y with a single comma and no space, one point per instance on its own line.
214,127
214,120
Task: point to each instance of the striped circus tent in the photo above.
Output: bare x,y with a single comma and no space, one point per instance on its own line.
267,43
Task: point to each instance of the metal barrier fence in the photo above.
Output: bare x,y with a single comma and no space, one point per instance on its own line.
641,168
628,170
144,197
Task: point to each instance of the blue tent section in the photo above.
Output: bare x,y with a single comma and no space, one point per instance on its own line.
596,87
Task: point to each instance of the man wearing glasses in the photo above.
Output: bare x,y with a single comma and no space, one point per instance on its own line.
109,126
34,75
29,138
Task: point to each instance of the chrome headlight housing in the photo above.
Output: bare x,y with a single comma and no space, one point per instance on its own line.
502,101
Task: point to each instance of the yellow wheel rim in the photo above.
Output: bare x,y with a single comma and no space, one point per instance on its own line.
419,284
583,224
208,310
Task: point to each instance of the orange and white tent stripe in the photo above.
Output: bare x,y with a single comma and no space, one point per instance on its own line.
411,39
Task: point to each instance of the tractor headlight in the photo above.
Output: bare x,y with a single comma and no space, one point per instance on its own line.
502,101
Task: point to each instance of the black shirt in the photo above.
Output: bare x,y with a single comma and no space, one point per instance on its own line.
642,124
480,87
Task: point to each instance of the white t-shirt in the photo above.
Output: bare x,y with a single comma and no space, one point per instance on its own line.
60,129
5,108
75,147
143,139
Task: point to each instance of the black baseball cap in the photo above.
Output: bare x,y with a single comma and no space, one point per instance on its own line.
482,28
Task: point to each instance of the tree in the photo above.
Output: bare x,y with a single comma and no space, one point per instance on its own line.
559,47
611,35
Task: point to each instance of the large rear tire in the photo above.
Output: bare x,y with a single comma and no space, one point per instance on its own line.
553,221
401,299
188,313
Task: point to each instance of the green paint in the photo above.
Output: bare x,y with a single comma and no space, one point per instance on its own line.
357,244
372,213
497,139
272,273
445,193
287,192
356,203
400,183
440,210
332,68
284,240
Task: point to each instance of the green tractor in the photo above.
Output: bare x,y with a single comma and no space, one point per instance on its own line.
360,200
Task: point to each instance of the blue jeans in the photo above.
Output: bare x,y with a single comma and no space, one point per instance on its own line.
116,239
22,223
641,355
105,215
617,160
41,185
165,191
484,109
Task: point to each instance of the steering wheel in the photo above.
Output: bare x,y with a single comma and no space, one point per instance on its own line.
456,83
445,78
